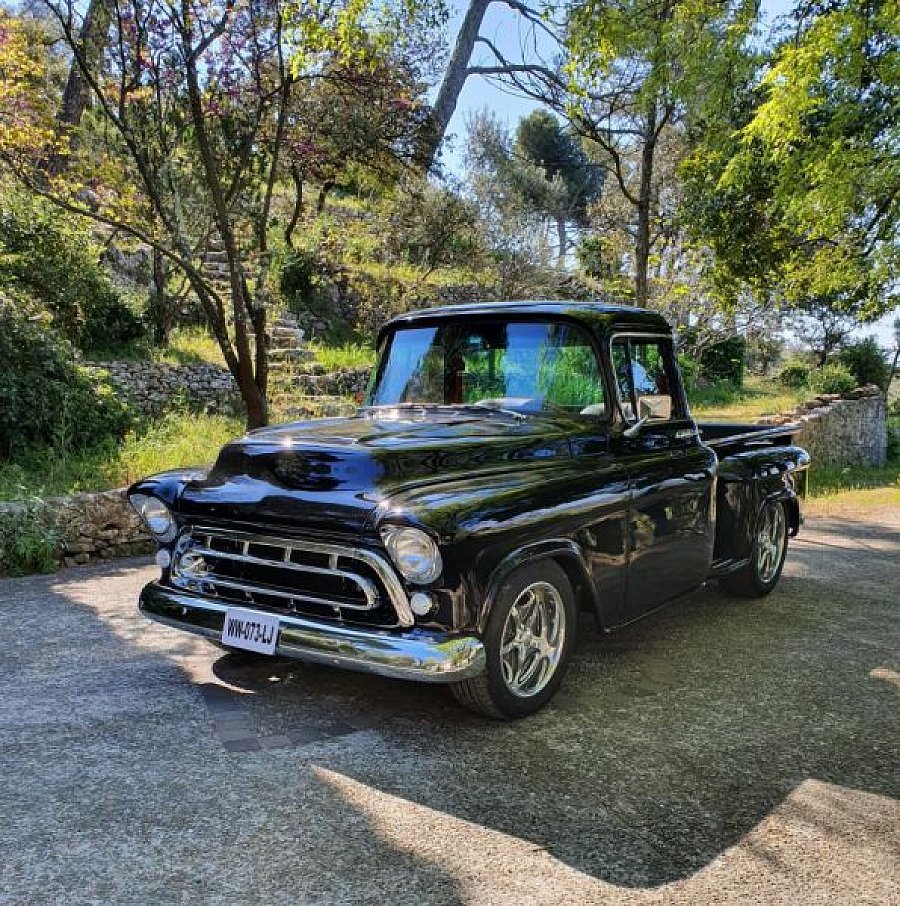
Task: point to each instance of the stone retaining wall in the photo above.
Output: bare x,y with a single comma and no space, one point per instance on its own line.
152,387
842,430
314,380
86,527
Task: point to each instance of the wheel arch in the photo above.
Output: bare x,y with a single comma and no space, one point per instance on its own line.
566,553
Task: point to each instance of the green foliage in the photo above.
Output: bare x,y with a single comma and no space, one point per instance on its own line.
832,378
867,362
345,355
301,281
45,397
797,191
175,440
690,368
795,375
430,227
541,174
725,361
54,259
28,542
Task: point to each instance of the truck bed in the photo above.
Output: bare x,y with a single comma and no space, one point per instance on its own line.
733,436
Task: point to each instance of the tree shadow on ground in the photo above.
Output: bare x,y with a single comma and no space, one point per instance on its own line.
669,741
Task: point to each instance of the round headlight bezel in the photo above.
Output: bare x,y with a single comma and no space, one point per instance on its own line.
155,515
414,552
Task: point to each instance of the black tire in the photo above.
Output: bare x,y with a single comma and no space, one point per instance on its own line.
488,693
753,581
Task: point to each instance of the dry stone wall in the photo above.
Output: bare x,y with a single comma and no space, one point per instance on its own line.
84,527
314,380
154,387
842,430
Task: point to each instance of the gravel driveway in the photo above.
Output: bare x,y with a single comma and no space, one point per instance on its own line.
720,751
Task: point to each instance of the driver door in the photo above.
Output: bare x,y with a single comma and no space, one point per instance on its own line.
670,522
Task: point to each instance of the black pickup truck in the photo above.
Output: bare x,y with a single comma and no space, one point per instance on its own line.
513,463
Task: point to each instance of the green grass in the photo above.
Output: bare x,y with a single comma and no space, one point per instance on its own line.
759,397
187,346
170,442
343,355
852,490
190,345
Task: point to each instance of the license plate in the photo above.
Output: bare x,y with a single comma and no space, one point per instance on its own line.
250,630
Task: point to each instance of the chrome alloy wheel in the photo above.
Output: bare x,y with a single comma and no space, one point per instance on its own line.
533,639
770,538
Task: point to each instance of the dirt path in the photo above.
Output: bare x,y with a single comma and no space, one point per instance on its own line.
721,751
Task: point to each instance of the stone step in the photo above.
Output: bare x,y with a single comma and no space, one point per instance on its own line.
291,355
315,408
286,330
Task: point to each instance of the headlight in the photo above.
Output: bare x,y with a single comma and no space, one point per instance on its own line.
413,552
156,516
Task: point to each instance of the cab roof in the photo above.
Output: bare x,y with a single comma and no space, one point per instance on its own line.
601,317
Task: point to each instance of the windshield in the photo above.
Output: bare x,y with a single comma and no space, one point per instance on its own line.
527,366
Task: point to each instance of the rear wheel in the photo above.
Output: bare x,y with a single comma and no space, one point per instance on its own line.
528,642
762,572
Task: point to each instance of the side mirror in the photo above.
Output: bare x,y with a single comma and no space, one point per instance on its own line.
651,409
655,408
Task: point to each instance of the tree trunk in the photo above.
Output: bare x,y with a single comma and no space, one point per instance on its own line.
453,81
326,187
644,211
162,308
254,401
297,179
77,93
563,241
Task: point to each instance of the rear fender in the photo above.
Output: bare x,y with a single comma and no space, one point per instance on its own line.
747,481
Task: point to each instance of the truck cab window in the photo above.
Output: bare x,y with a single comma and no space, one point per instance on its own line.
643,367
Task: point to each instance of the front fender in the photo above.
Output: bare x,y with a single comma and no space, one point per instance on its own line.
566,552
168,486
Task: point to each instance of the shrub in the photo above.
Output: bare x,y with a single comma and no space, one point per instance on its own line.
725,361
689,369
866,362
55,260
28,541
302,281
431,227
795,375
831,378
45,397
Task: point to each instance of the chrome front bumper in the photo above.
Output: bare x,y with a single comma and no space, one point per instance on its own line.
431,657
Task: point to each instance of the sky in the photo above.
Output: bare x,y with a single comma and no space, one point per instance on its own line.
502,26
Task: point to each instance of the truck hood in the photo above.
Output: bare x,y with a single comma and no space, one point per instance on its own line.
332,474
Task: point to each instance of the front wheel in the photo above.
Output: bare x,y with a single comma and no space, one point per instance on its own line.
763,570
528,642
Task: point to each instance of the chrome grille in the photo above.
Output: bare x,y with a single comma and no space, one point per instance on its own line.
290,575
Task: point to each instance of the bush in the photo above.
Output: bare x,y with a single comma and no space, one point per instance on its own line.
689,369
795,375
866,362
55,260
45,397
725,361
430,227
301,282
832,378
28,542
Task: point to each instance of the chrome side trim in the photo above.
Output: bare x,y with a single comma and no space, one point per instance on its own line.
431,657
376,562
